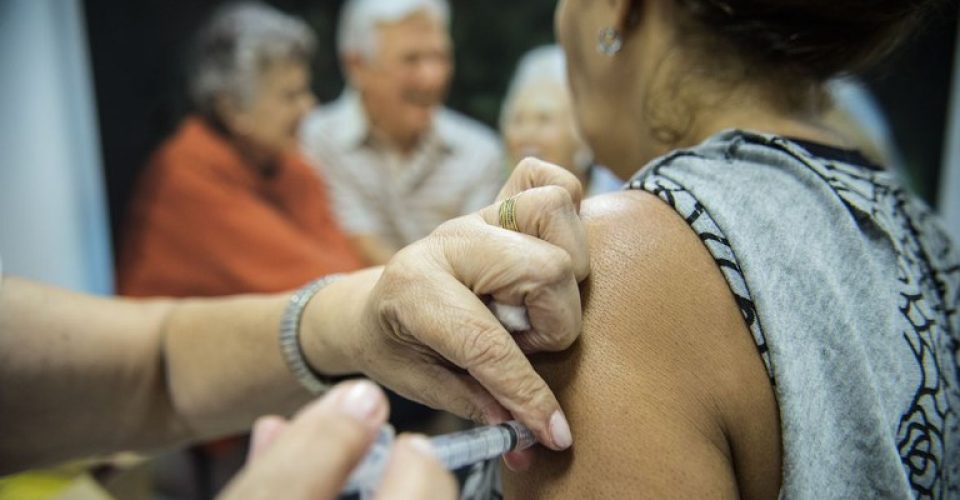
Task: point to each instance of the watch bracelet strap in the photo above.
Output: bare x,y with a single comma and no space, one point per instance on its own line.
290,345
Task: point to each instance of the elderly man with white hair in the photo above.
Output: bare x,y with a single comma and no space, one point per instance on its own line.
397,162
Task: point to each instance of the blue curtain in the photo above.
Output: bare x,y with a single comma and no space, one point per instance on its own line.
950,177
53,217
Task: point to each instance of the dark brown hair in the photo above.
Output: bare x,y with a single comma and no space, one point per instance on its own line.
810,38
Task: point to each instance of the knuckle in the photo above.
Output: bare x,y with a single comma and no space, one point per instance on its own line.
528,392
451,227
536,341
558,198
557,265
563,338
530,165
486,347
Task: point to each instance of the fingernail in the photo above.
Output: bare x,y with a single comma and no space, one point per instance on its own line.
420,444
361,401
560,430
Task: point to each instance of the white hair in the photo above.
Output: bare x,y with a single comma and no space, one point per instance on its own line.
544,65
237,44
357,28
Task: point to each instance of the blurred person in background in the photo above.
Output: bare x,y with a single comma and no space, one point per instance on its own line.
537,120
227,205
397,161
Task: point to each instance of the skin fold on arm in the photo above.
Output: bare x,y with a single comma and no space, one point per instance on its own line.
665,391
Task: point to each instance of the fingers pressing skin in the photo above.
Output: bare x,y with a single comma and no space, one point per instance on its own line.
532,173
517,269
549,213
424,320
413,473
448,330
554,314
461,329
313,456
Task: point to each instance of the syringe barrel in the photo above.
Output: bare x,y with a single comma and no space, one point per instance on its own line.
454,451
469,447
368,473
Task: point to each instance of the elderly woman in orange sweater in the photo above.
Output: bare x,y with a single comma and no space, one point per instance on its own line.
227,205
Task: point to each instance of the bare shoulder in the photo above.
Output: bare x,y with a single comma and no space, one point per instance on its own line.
665,391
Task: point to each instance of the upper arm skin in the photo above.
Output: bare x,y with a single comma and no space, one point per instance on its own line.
665,391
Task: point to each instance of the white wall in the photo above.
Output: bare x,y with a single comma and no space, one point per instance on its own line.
53,218
950,178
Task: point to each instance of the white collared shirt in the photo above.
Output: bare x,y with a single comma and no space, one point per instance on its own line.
456,169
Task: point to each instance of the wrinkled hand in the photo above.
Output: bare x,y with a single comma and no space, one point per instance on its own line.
312,456
431,339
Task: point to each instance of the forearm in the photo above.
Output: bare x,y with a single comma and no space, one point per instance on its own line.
223,364
85,375
223,361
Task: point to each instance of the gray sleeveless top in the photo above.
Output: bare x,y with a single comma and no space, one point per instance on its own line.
850,290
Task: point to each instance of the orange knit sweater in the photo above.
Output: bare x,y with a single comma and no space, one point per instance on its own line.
203,222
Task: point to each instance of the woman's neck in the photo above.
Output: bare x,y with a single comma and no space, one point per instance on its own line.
799,127
748,112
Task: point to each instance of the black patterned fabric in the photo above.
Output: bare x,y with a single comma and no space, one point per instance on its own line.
924,281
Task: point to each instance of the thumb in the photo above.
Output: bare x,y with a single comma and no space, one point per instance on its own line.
313,456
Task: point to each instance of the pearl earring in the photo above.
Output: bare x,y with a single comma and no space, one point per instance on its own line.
609,42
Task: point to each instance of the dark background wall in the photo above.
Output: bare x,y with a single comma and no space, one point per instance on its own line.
138,50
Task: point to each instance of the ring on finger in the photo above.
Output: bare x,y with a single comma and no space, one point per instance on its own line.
508,214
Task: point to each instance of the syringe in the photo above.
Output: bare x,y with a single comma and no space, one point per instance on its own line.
454,451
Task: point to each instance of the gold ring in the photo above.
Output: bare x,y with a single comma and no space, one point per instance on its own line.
508,214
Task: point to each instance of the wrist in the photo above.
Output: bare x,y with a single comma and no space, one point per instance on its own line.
332,330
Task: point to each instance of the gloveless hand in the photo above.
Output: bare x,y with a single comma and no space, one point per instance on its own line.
428,334
311,456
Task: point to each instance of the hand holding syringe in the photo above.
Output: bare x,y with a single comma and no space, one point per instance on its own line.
454,451
457,449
